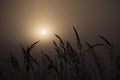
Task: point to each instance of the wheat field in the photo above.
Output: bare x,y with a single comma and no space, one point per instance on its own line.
69,63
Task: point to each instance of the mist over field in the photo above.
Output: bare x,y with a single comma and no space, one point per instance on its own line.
59,40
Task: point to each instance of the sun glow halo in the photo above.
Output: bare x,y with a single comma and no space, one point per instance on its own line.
43,31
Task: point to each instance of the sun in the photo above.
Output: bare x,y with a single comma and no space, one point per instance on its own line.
44,32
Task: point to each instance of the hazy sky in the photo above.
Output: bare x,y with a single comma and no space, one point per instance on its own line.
19,19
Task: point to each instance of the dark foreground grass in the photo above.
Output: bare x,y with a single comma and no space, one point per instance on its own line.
69,63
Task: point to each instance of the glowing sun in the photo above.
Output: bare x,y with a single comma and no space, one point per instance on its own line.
43,31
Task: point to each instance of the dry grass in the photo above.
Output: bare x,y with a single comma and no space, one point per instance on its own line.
69,63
